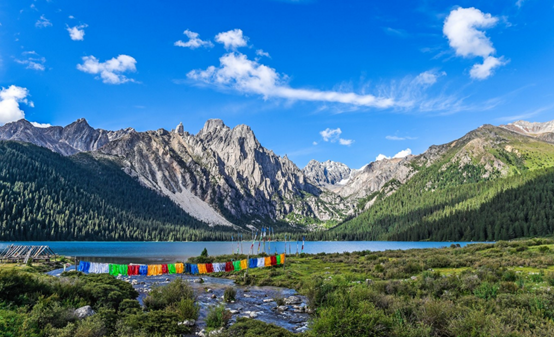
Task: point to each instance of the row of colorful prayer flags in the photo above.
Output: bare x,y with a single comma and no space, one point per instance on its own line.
179,268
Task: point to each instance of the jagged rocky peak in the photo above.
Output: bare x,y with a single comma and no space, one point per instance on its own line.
326,173
76,137
180,129
526,127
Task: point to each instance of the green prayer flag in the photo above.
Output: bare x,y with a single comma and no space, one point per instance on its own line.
236,265
278,259
171,268
123,269
113,269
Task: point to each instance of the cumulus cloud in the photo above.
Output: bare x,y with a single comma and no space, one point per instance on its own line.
239,73
32,60
519,3
41,125
77,33
333,136
346,142
464,29
111,71
330,135
43,22
10,98
232,39
314,143
401,154
193,42
262,53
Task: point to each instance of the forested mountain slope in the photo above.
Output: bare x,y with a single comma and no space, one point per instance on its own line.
45,196
490,184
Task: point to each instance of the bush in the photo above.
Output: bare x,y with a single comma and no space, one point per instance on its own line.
185,309
486,291
246,327
218,317
229,295
92,326
163,296
360,319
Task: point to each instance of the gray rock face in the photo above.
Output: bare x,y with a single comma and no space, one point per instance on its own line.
83,312
76,137
224,171
327,172
372,177
543,131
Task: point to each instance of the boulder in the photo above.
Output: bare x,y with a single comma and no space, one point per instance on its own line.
293,300
83,312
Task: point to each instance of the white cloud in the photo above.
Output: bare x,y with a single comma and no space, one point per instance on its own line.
111,71
43,22
314,143
9,103
71,17
232,39
77,33
333,135
239,73
462,28
193,42
262,53
346,142
400,138
484,70
401,154
32,60
428,78
519,3
41,125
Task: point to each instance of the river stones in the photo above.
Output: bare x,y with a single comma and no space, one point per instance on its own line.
293,300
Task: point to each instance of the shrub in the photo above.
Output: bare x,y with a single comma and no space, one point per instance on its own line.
509,275
544,249
204,253
246,327
217,317
163,296
92,326
537,278
486,291
360,319
549,278
185,309
229,294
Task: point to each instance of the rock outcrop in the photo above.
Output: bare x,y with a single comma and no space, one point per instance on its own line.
78,136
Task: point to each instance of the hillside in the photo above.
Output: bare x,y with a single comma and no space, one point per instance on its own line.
45,196
488,185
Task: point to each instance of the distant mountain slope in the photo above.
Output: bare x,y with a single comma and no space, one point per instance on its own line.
460,176
226,173
45,196
326,173
73,138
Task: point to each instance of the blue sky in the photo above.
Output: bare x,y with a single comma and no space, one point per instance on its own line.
390,75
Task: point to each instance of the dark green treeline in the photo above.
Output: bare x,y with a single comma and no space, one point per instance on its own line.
45,196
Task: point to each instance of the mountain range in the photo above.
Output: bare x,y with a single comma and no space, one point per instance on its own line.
223,178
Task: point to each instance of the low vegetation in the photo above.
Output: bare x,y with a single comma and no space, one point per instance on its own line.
502,289
32,304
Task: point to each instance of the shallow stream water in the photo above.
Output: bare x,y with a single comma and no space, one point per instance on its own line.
254,302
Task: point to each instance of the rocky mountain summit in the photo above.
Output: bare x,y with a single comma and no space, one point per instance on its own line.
326,173
543,131
76,137
221,176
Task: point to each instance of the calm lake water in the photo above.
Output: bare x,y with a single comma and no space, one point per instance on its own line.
168,252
